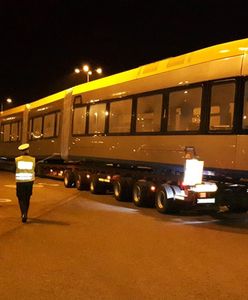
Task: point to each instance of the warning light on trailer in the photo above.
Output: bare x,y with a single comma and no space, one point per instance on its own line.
193,172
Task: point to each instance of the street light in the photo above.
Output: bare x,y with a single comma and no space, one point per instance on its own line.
8,100
86,69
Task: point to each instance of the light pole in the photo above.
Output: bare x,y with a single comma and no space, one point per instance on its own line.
8,100
86,69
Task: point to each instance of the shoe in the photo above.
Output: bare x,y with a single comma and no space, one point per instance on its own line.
24,219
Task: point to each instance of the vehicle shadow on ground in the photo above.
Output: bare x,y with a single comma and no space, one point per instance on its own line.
47,222
234,220
212,219
207,218
222,221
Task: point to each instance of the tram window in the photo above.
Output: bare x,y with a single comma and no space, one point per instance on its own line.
37,128
30,129
185,110
149,113
6,132
222,106
97,116
14,132
245,110
49,125
79,120
120,116
20,131
2,131
11,132
57,123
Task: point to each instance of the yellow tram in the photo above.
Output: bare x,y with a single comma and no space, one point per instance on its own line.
131,131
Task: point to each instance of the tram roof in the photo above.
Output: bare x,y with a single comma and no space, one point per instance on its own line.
220,51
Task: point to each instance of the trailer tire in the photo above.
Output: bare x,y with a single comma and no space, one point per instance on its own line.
140,193
96,187
162,202
82,182
69,179
122,188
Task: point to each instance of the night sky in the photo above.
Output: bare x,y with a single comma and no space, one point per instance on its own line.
43,41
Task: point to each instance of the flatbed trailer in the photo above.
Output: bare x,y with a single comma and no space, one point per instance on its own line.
156,185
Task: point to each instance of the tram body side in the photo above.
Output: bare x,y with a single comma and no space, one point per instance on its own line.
165,148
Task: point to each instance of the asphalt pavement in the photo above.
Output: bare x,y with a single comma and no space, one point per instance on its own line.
82,246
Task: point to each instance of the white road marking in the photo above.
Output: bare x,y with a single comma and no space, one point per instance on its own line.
38,185
14,186
108,207
194,221
10,185
48,184
199,222
5,200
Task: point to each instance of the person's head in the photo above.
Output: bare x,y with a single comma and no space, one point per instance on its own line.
24,148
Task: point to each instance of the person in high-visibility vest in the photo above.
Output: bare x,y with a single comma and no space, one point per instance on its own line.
25,176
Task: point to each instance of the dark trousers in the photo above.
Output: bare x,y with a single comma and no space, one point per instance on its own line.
23,193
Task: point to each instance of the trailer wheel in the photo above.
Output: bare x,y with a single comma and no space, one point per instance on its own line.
140,193
82,182
162,202
97,187
122,189
69,179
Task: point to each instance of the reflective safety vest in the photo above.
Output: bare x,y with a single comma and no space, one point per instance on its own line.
25,165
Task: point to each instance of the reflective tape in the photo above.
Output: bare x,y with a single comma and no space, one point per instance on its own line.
25,165
24,176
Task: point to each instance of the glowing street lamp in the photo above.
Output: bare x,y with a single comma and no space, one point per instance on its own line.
99,70
8,101
86,69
